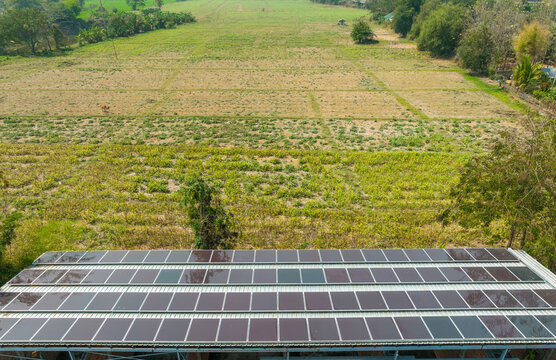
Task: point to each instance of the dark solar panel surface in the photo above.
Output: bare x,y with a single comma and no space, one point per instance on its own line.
201,297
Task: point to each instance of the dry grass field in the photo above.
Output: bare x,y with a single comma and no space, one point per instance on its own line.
315,141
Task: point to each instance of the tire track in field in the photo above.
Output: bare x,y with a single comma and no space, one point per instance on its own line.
324,128
403,102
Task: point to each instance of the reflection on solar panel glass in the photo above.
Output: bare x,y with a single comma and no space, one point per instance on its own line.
500,326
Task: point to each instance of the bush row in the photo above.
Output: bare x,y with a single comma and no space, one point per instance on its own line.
128,23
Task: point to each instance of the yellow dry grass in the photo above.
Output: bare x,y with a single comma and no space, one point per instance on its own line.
376,104
406,80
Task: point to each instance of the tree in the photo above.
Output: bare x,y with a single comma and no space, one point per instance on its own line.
442,30
25,26
527,76
212,224
426,9
362,33
22,4
73,5
404,14
533,40
159,3
476,49
135,4
515,184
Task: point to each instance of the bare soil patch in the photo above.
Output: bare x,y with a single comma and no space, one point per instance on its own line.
459,104
60,103
273,79
237,103
373,104
406,80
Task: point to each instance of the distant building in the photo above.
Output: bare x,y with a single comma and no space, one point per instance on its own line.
551,73
389,17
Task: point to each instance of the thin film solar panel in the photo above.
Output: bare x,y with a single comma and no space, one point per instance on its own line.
408,275
502,254
183,301
374,255
528,298
113,256
233,330
178,256
438,255
371,300
135,256
309,256
336,275
501,273
450,299
173,330
26,276
432,275
237,302
169,276
77,301
360,275
210,301
293,330
49,257
222,256
476,299
549,321
524,273
264,276
263,330
265,256
352,329
264,302
70,257
130,301
156,257
244,256
383,328
417,255
6,324
200,256
455,274
217,276
423,300
289,276
193,276
73,277
441,327
97,276
49,277
104,301
312,276
290,301
548,295
24,329
344,300
83,329
6,298
323,329
53,330
287,256
395,255
317,301
459,254
330,256
157,301
500,326
481,254
471,327
23,302
412,328
241,276
384,275
113,330
121,276
529,326
397,300
502,299
143,330
478,274
144,276
91,257
352,255
50,301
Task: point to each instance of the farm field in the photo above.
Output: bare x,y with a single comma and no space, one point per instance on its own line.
315,141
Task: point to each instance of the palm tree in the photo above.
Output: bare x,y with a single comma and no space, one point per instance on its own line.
526,75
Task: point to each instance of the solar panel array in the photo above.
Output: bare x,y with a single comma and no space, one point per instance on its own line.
279,297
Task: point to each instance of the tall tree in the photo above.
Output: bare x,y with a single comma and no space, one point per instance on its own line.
442,30
25,26
213,226
515,184
135,4
533,40
476,49
404,14
159,3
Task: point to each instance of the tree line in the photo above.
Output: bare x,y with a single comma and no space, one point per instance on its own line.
488,36
37,26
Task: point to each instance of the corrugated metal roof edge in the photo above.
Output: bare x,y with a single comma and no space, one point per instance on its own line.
534,265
